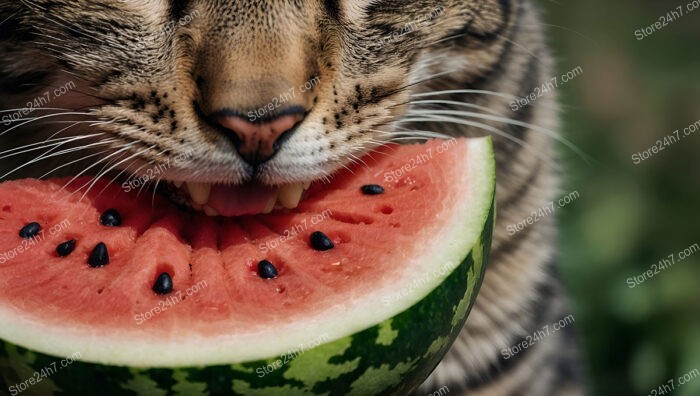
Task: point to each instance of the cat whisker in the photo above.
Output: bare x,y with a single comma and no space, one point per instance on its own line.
73,162
463,91
50,143
135,173
55,20
442,40
408,139
43,117
46,155
149,181
104,172
116,177
360,160
377,144
484,127
509,97
509,121
414,83
125,148
522,47
452,103
155,189
74,124
9,17
32,109
559,27
415,133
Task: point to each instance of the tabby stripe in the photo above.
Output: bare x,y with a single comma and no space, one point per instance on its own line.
507,147
177,9
568,371
524,188
510,245
504,57
500,368
492,35
332,8
533,370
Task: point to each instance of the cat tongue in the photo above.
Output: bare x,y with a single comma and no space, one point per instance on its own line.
241,199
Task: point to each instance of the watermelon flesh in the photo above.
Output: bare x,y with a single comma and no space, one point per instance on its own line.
220,311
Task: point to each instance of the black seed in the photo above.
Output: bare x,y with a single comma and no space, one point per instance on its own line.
372,189
99,256
30,230
66,248
267,270
111,218
164,284
321,242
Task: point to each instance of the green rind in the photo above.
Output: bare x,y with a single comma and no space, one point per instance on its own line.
391,358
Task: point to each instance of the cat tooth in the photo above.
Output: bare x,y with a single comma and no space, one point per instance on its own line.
178,184
199,192
209,211
290,195
271,204
307,185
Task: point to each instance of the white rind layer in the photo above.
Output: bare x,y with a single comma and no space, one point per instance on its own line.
451,244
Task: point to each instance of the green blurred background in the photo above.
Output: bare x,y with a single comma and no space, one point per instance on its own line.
628,216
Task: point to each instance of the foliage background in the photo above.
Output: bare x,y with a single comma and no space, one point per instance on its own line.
630,216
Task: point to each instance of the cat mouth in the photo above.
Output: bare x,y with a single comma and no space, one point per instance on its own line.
235,200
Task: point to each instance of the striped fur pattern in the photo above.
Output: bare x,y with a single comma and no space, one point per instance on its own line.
521,293
145,74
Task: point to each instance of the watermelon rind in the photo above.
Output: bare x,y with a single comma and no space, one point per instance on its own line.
386,349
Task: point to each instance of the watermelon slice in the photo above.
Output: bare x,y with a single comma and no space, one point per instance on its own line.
360,290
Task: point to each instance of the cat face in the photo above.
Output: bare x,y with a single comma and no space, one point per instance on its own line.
270,92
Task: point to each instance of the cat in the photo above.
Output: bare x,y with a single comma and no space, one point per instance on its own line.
287,92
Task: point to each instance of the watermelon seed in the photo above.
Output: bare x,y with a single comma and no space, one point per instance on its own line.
99,256
66,248
111,218
30,230
267,270
164,284
372,189
321,242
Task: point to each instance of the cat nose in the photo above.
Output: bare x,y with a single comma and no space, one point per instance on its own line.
258,140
